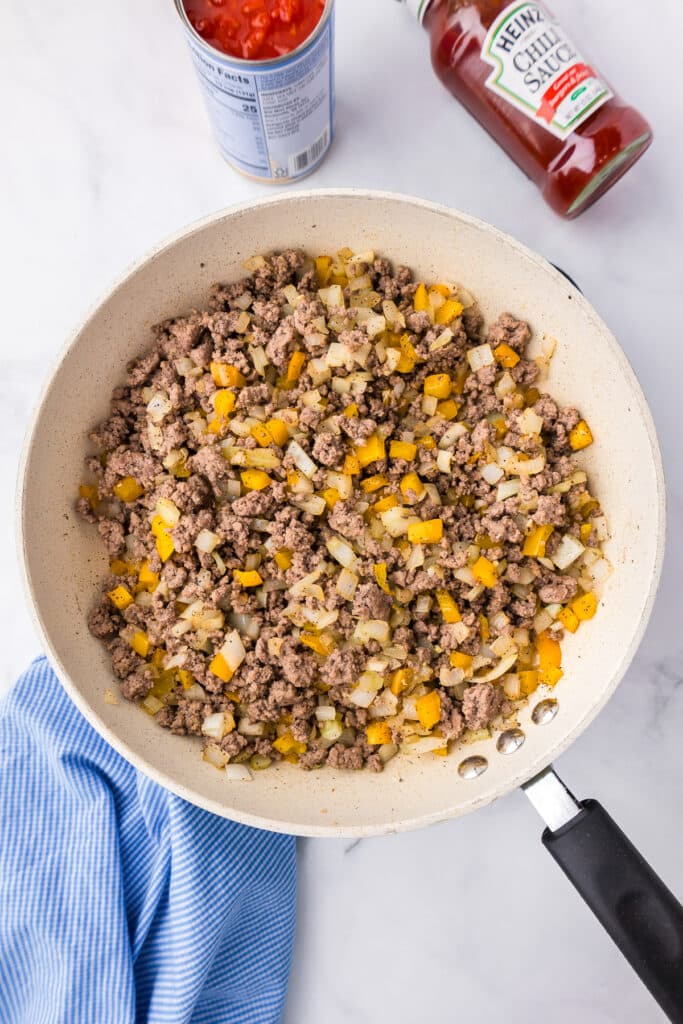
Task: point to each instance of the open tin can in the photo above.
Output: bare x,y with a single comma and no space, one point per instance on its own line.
273,119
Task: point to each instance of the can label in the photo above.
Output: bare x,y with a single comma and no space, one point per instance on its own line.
537,69
272,122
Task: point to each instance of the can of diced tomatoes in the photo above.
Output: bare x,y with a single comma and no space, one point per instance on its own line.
273,118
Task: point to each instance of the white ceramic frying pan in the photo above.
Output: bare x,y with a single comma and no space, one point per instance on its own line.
64,560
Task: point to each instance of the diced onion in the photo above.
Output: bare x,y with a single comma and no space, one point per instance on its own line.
422,744
301,459
507,489
347,582
397,520
525,467
529,422
452,434
206,541
340,551
238,773
492,473
443,461
248,728
503,666
168,510
218,725
325,714
567,551
479,357
372,629
233,650
158,407
213,755
505,386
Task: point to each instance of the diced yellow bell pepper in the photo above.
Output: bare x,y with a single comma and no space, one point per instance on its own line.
350,411
89,492
223,402
448,607
427,442
549,651
411,486
157,659
351,465
484,628
580,436
450,309
234,696
293,478
438,385
140,643
320,644
148,579
295,366
440,289
536,540
550,675
331,496
186,678
128,489
322,270
384,504
402,450
569,619
485,572
247,577
286,744
428,532
460,660
406,363
448,409
278,431
226,376
120,597
528,681
374,483
428,709
400,680
283,558
585,531
377,733
584,606
461,375
505,355
380,571
254,479
421,299
117,567
217,425
164,544
262,435
372,451
219,667
440,751
499,425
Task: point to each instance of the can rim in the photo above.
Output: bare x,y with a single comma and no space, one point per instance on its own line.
260,64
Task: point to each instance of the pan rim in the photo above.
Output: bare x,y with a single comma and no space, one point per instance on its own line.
510,781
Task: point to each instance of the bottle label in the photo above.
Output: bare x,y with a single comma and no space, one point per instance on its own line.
537,68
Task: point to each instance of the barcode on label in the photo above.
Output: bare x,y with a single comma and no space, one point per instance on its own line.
300,161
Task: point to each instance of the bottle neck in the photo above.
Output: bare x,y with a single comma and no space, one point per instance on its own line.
418,8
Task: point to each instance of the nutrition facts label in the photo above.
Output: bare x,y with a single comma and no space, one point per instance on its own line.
272,123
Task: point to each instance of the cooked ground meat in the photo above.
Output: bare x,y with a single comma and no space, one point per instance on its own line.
297,547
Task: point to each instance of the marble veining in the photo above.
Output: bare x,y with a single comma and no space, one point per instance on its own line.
106,150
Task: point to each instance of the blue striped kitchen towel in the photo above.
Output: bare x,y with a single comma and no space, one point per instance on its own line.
120,902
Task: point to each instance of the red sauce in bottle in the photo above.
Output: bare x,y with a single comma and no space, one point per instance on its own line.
254,29
513,67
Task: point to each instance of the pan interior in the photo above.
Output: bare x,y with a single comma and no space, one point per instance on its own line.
64,559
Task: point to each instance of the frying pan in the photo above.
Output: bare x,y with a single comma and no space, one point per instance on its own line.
64,560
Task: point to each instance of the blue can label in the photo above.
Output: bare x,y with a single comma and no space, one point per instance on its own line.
274,123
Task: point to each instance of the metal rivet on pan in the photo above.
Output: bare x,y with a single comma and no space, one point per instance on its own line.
510,740
545,711
472,766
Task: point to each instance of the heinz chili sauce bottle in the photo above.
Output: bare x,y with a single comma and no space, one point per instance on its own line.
518,73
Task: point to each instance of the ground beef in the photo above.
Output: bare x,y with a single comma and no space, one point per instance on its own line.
266,573
371,603
480,705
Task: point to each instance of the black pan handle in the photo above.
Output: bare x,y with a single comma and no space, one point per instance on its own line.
641,915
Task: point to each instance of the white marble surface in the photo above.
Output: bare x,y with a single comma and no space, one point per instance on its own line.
106,150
